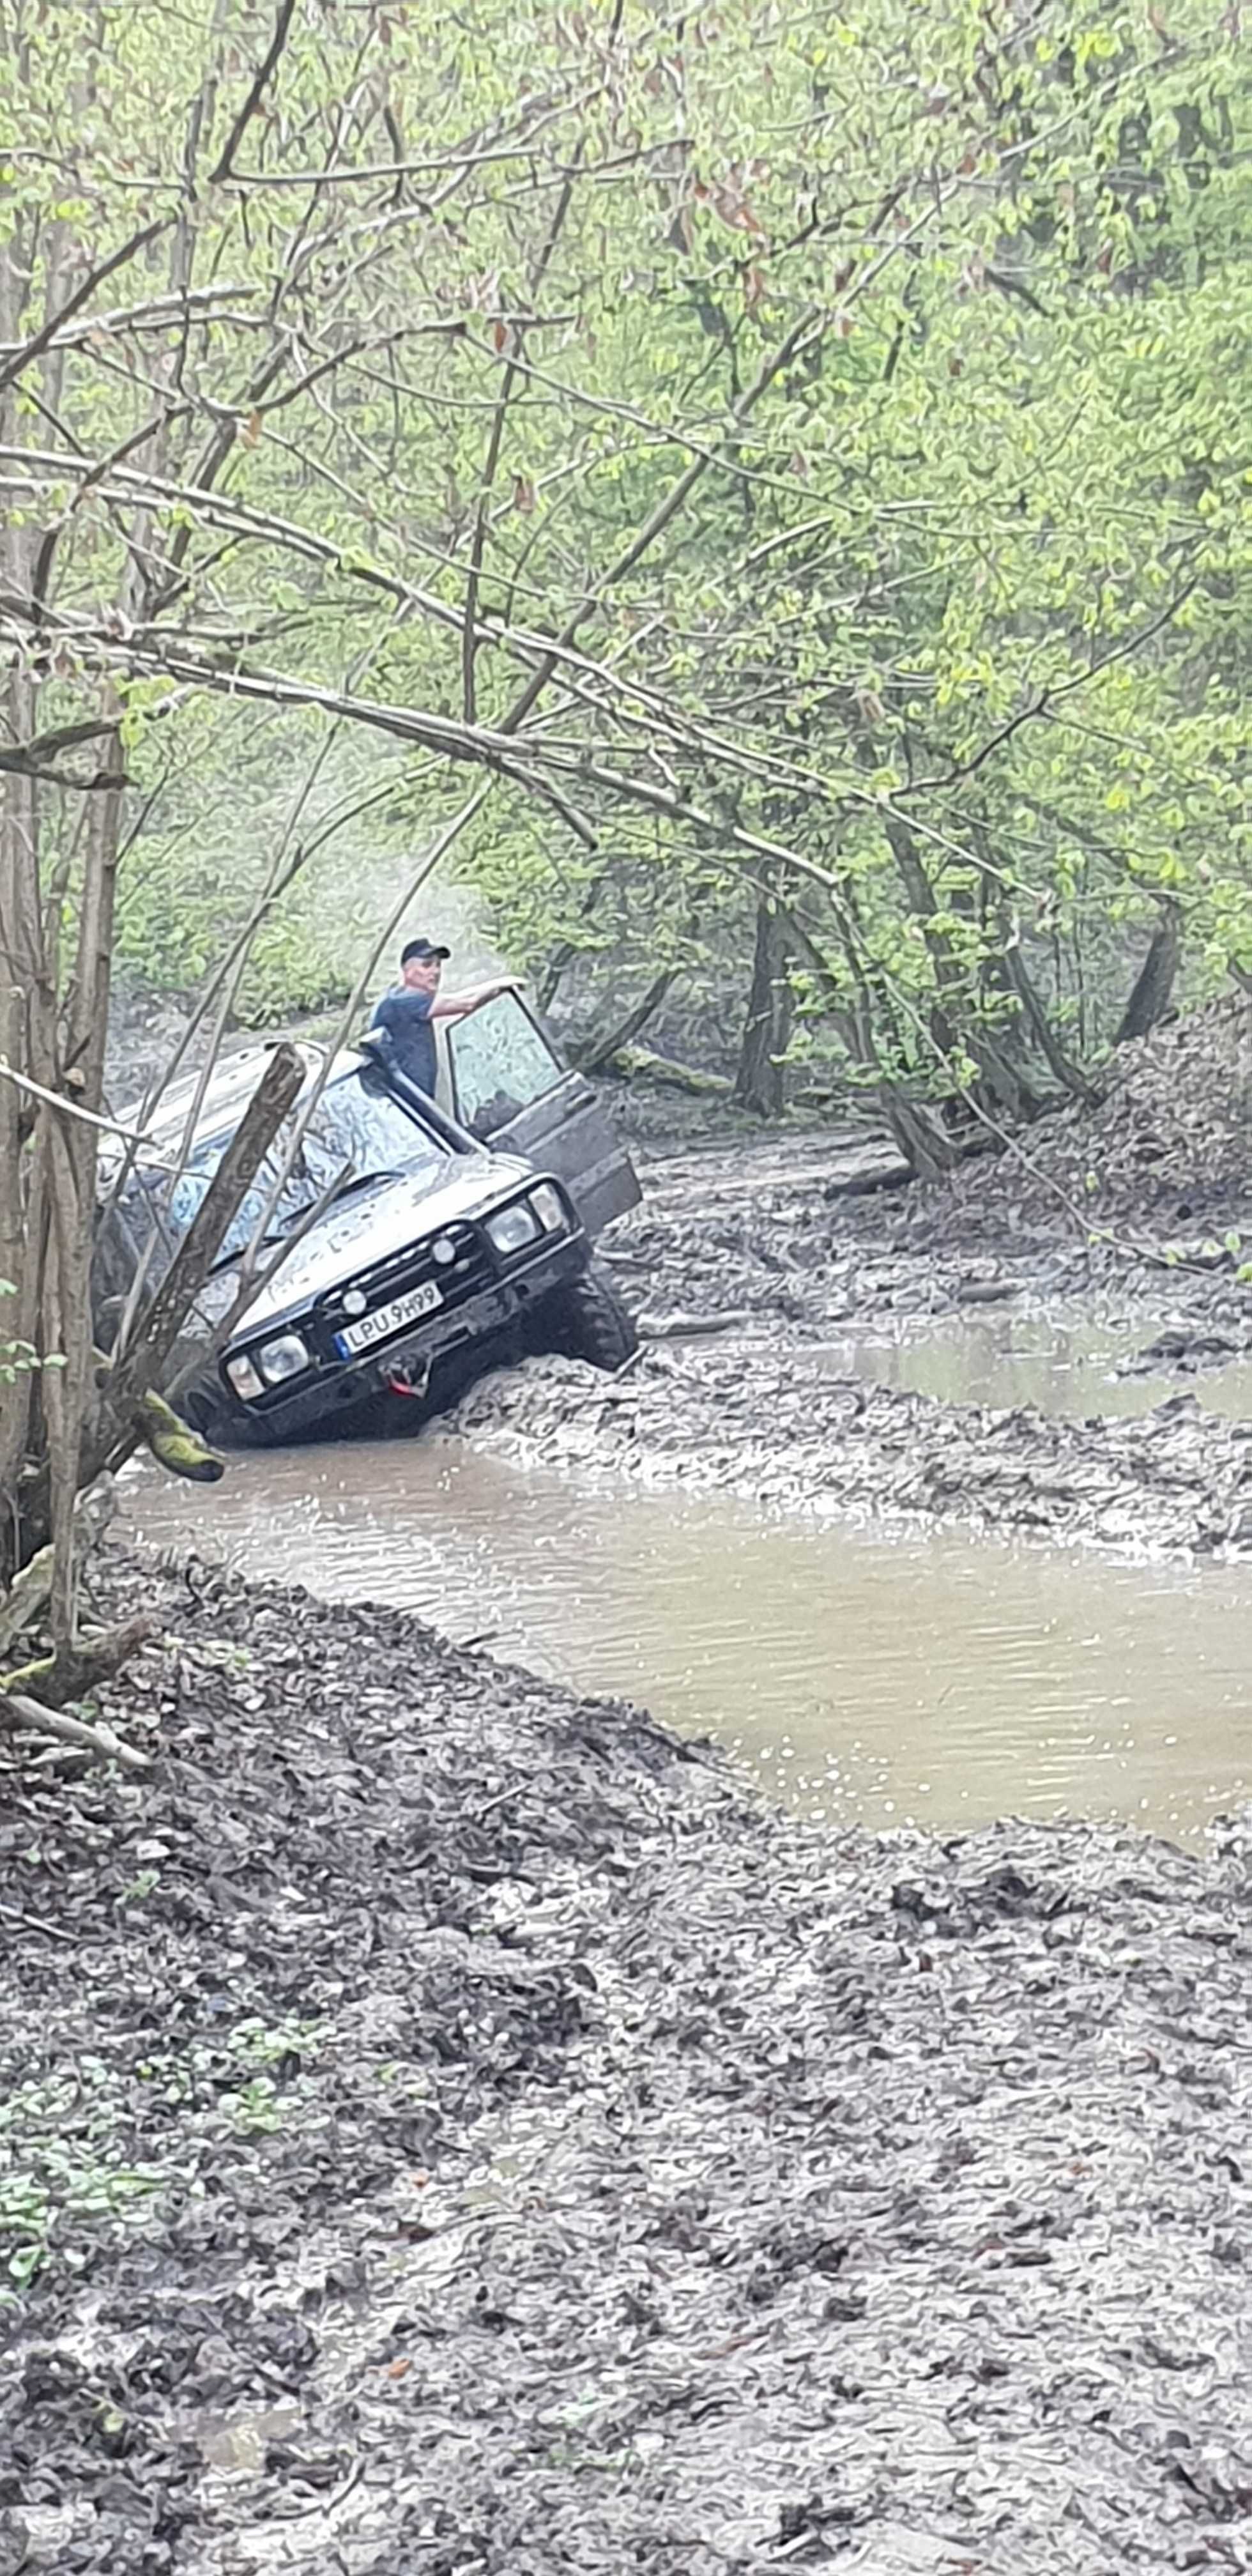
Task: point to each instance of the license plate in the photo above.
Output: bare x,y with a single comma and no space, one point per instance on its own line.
389,1319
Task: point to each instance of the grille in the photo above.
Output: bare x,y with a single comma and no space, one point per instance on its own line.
471,1270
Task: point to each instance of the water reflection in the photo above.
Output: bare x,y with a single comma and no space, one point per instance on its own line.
1060,1368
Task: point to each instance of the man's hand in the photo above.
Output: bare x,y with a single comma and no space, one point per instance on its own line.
474,999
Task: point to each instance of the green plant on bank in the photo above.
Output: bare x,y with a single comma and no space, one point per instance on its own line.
264,2045
33,2205
252,2050
59,2164
63,2157
255,2108
19,1358
143,1885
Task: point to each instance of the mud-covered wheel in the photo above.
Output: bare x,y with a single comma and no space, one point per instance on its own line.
587,1321
202,1408
198,1409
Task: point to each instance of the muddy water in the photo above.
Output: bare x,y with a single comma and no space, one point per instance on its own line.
1059,1367
869,1677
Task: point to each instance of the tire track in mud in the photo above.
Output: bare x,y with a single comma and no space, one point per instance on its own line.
765,1421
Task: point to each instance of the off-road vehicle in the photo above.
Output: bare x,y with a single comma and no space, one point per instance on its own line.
460,1227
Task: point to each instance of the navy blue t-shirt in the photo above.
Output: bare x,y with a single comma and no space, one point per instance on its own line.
406,1016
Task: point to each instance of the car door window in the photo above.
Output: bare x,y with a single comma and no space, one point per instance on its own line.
500,1064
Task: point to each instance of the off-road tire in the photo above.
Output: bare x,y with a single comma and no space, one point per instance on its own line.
222,1429
587,1321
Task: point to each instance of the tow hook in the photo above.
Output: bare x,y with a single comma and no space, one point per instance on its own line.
399,1382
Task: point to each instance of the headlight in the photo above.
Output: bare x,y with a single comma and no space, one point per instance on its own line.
283,1358
513,1227
244,1378
547,1204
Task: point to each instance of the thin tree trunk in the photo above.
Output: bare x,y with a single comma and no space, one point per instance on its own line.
130,1411
761,1081
26,1036
1241,1087
1068,1074
67,1300
925,1145
917,886
927,1148
1153,987
549,983
952,1025
14,1399
64,1351
174,1298
834,1004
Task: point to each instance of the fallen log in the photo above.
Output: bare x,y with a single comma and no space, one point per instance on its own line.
634,1063
861,1184
683,1328
17,1713
986,1292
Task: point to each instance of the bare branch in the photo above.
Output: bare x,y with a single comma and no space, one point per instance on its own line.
264,73
196,302
26,355
30,756
70,1108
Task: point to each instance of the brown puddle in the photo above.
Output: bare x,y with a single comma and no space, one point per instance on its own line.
1010,1360
868,1677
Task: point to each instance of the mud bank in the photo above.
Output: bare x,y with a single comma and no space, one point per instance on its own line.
461,2133
1140,1198
751,1263
766,1420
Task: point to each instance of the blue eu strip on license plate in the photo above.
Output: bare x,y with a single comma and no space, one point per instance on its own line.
388,1319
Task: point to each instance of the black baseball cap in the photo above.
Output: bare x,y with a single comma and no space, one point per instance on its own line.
423,948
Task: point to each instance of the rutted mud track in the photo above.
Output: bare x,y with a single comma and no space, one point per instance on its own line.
1138,1216
768,1423
542,2158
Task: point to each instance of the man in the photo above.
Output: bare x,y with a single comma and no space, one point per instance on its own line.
407,1011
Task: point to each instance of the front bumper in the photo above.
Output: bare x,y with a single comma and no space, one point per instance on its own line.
335,1389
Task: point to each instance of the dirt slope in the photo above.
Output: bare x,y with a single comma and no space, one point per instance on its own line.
469,2137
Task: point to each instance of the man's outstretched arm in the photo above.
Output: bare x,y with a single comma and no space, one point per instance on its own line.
458,1006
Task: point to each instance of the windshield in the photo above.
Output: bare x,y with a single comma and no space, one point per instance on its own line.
354,1124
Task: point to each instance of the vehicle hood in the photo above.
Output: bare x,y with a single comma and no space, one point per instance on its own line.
360,1231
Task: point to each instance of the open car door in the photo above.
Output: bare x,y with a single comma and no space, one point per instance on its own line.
508,1086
